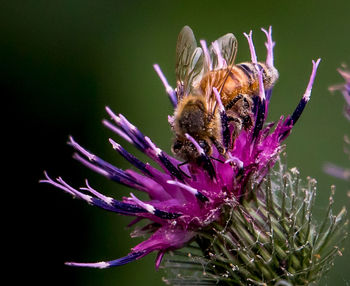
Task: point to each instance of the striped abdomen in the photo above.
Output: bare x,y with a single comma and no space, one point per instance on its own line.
241,79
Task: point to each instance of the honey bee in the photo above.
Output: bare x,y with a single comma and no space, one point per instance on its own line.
197,118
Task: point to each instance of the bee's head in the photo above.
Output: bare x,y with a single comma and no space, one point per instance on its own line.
192,119
195,151
185,149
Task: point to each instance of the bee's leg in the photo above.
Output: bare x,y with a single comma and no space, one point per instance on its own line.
225,132
233,102
234,161
246,115
245,103
247,121
237,122
243,110
204,161
216,159
221,149
181,171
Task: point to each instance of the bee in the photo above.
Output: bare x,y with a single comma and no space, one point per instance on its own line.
197,118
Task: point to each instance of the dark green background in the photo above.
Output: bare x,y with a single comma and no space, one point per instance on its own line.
61,62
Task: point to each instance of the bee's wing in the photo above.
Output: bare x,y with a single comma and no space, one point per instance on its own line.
223,51
194,71
188,61
222,54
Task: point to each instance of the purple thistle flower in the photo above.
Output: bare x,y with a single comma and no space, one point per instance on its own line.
184,201
330,168
345,90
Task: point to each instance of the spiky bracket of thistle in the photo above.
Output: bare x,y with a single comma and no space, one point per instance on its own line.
192,204
267,239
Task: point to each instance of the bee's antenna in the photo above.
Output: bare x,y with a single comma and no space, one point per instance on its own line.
183,172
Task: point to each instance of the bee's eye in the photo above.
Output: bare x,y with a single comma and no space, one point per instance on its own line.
177,145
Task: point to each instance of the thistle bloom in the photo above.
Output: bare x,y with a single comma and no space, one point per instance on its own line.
182,203
345,90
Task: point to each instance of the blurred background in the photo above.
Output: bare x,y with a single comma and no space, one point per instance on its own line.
62,61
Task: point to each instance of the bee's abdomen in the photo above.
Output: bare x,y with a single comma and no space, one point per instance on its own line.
270,75
241,79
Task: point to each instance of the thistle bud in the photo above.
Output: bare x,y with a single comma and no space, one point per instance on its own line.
268,238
